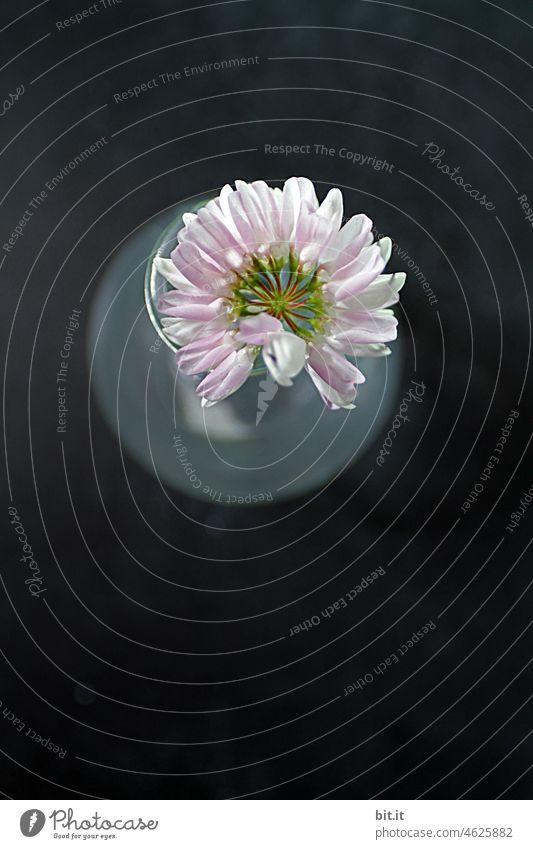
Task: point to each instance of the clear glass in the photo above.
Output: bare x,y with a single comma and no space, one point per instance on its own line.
263,444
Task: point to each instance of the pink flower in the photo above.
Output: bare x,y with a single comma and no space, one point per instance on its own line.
261,270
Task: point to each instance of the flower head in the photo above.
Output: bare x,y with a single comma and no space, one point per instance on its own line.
261,270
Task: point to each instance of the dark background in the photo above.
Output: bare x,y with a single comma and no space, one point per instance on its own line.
159,672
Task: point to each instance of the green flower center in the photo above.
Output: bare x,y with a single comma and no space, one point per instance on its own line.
281,288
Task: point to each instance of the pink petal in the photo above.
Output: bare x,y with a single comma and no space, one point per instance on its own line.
357,275
257,215
362,328
298,199
382,292
255,328
333,367
199,312
348,242
290,208
167,268
270,200
244,226
313,234
183,330
201,269
235,218
205,353
226,378
334,377
307,193
168,302
219,226
208,340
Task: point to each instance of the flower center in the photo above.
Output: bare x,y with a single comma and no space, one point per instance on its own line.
283,289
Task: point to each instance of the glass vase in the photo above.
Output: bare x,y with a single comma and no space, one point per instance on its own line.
261,445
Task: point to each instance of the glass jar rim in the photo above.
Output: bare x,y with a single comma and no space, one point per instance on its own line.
154,283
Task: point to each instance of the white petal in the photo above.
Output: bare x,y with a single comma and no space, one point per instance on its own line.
350,239
270,200
311,236
333,398
365,328
256,213
357,275
376,349
182,330
225,194
226,378
385,246
332,208
168,270
284,355
290,208
382,292
307,192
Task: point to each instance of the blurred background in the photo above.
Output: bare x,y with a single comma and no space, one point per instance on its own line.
145,641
